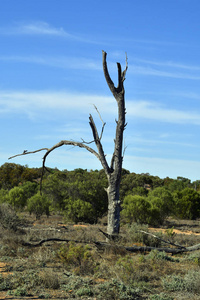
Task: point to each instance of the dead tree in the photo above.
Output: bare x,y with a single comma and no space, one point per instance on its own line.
113,171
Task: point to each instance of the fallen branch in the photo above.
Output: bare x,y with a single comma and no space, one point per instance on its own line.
108,246
51,240
167,242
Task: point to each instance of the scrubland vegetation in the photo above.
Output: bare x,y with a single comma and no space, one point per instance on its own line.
73,206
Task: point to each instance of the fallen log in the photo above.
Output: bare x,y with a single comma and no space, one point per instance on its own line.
51,240
114,245
108,246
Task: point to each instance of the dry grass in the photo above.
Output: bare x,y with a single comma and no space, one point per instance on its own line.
80,271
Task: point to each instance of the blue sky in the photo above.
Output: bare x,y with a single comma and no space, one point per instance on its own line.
51,75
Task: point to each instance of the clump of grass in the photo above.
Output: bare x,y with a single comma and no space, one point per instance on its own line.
84,291
190,282
174,283
193,257
20,291
160,255
5,283
8,217
161,296
43,256
135,234
115,289
78,257
49,280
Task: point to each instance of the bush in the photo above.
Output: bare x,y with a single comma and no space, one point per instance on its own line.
162,199
3,196
174,283
136,209
141,210
38,204
187,204
17,197
8,217
79,257
136,236
79,211
150,210
30,189
49,280
190,282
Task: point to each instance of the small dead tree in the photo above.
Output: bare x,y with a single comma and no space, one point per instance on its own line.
113,171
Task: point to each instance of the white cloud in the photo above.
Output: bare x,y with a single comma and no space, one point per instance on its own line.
31,103
155,111
40,28
34,28
63,62
146,70
170,64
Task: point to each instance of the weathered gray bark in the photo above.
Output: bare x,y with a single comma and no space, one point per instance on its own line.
113,171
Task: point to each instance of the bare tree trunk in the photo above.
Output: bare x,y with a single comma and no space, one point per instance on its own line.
114,175
113,226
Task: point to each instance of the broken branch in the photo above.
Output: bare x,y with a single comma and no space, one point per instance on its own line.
25,152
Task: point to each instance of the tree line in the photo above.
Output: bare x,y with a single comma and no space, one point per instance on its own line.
80,194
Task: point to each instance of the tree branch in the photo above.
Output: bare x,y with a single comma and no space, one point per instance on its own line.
61,143
26,152
99,146
101,121
167,242
107,75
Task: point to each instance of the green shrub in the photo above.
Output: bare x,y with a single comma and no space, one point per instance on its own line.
187,204
190,282
84,291
158,255
161,296
136,236
143,210
136,209
79,210
38,205
115,289
79,257
20,291
17,198
174,283
30,188
162,201
6,283
4,196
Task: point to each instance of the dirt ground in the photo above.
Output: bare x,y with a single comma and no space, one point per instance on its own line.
56,227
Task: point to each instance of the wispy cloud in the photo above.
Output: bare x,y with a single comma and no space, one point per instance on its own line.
170,64
32,102
147,70
40,28
34,28
157,112
63,62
